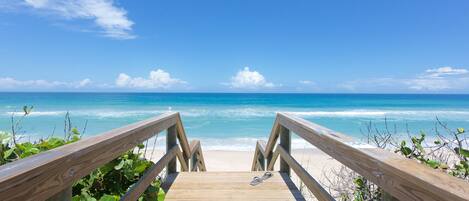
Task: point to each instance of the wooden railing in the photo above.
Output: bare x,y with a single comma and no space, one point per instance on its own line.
399,177
51,174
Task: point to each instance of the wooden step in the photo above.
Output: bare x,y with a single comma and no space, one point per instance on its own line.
229,186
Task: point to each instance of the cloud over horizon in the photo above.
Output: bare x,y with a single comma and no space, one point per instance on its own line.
157,79
8,83
247,79
106,15
431,80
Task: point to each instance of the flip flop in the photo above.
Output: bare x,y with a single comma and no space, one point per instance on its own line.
257,180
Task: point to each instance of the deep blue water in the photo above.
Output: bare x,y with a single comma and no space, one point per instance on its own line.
232,121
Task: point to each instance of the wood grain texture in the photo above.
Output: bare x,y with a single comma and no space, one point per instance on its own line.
259,159
315,187
44,175
219,186
403,178
197,156
285,143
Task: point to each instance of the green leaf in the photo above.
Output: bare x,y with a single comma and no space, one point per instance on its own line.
5,138
120,165
437,142
432,163
462,152
141,167
8,153
141,146
460,130
106,197
406,151
75,131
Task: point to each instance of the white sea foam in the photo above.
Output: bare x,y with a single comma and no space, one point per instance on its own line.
260,113
243,144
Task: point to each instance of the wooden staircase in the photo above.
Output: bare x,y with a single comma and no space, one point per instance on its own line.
51,174
221,186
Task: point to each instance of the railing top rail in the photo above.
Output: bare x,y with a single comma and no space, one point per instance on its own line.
401,177
47,173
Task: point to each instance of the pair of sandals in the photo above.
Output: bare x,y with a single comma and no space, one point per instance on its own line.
257,180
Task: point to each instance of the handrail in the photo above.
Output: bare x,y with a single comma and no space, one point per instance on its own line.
197,157
398,176
47,174
310,182
148,177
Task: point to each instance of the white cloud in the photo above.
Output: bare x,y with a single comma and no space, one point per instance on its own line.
247,79
84,83
11,83
111,19
158,79
445,71
438,79
306,82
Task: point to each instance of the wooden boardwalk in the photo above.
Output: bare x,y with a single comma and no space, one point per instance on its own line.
50,175
198,186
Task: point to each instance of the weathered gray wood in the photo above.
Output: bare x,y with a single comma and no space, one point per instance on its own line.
230,186
389,197
149,176
258,162
43,175
197,157
315,187
46,174
194,159
181,134
269,148
201,160
171,142
285,143
403,178
64,195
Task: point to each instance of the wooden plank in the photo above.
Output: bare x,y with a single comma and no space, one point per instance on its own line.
64,195
403,178
259,156
315,187
221,186
171,142
285,143
183,139
149,176
182,161
194,159
43,175
197,156
269,148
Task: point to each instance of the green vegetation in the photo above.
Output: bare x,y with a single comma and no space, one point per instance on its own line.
446,151
107,183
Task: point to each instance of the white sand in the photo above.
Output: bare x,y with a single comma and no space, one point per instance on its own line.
314,160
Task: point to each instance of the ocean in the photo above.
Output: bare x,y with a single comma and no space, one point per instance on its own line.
233,121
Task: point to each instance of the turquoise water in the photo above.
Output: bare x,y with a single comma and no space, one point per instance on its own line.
232,121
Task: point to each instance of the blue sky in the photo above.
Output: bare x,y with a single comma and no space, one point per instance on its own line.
398,46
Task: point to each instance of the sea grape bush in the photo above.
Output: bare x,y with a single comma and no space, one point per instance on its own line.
112,180
447,152
107,183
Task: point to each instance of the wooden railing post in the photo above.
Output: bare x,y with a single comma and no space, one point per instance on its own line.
171,141
194,163
285,143
261,161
